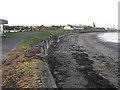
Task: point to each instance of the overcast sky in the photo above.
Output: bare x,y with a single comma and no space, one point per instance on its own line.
104,13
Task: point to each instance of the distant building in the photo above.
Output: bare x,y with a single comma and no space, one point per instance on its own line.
100,28
69,27
112,29
78,27
2,22
73,27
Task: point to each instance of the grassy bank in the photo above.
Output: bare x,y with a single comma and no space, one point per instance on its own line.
20,66
43,35
11,35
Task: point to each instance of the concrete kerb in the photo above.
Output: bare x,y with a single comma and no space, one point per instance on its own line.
45,44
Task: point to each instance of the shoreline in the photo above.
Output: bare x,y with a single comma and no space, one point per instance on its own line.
104,55
110,45
65,63
65,57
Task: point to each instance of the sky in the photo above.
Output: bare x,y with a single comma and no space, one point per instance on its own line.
104,13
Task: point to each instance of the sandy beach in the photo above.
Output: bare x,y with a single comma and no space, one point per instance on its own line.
81,60
104,55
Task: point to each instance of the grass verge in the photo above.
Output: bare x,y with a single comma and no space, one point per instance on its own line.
42,35
20,66
11,35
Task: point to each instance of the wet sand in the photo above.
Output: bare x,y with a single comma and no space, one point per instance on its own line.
80,60
103,54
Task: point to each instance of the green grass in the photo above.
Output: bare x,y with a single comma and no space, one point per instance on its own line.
23,70
11,35
80,30
42,35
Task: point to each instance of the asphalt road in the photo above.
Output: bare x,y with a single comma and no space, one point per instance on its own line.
9,43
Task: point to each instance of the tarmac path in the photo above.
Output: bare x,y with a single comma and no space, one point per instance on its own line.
6,46
9,43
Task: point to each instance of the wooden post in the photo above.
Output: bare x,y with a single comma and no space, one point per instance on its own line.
51,39
44,49
41,49
45,46
48,41
58,39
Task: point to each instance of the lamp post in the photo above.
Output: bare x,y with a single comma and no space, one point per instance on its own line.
93,24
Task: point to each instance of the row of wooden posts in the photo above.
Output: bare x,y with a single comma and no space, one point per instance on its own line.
45,44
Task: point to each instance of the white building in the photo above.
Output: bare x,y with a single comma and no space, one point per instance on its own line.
68,27
2,22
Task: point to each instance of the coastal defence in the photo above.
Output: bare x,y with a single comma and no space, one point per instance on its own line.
44,46
70,60
63,53
83,59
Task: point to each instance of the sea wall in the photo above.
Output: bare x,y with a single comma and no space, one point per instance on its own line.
44,46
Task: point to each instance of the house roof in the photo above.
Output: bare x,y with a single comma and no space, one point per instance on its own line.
2,21
70,25
77,26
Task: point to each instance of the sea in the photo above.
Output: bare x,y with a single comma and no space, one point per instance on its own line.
109,37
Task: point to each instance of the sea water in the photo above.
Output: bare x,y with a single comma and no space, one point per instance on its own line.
109,37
